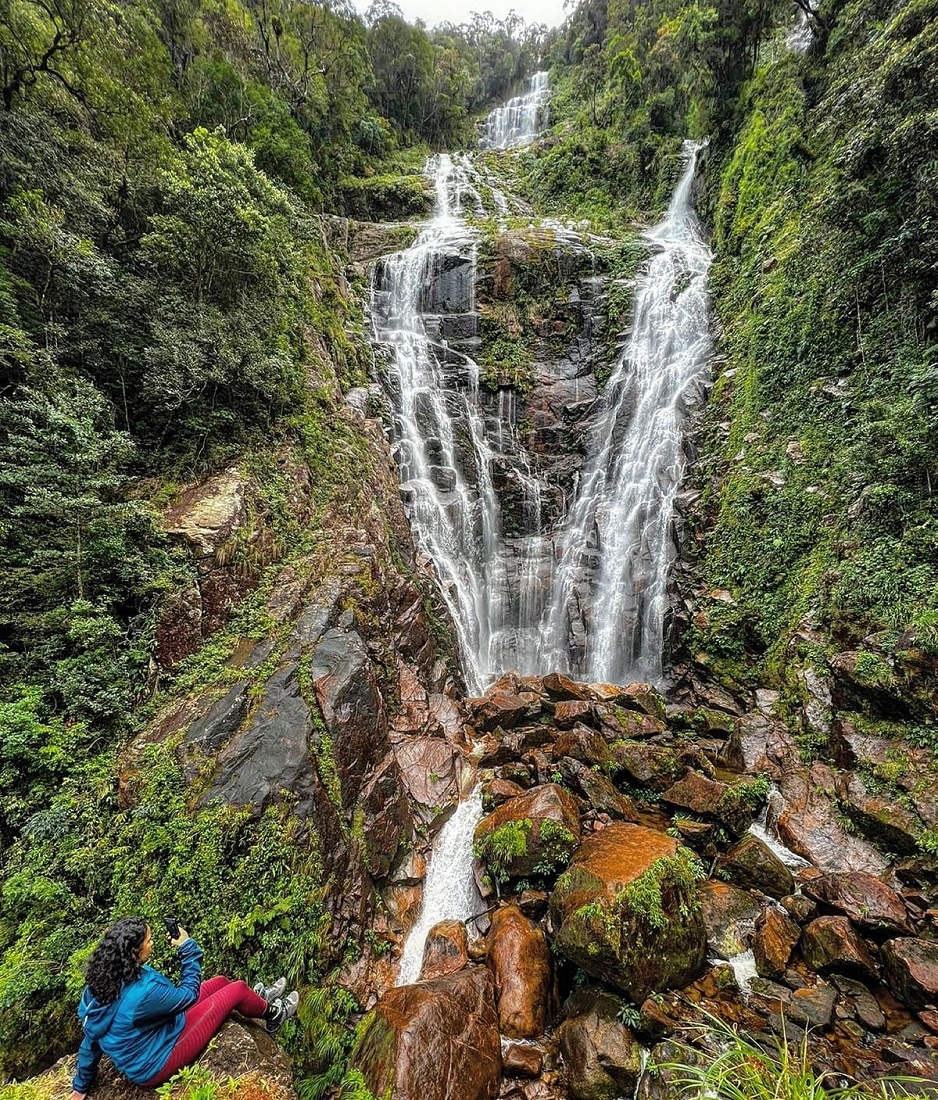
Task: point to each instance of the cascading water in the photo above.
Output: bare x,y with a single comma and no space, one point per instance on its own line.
611,628
521,119
450,892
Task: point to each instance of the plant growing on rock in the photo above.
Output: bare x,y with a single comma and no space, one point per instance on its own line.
502,846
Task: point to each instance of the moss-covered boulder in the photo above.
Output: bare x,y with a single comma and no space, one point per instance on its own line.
533,834
602,1058
627,911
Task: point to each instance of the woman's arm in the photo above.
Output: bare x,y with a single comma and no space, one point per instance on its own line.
89,1054
167,999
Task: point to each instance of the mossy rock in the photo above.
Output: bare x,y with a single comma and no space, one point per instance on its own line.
627,911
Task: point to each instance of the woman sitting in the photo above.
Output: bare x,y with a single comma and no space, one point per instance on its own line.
149,1027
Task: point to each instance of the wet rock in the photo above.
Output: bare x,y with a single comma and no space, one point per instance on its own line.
832,943
568,712
433,1041
528,815
710,798
602,1058
206,735
583,744
799,907
773,942
644,698
445,951
652,766
810,824
498,791
210,514
522,1061
865,1005
813,1006
879,818
911,970
533,903
429,769
597,791
753,865
657,940
558,686
758,743
729,915
866,900
501,709
520,962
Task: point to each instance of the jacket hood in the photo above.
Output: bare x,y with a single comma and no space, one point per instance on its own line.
94,1016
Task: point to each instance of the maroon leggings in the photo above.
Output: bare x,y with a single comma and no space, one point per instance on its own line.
218,998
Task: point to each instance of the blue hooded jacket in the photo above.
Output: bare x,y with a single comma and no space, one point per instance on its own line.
138,1030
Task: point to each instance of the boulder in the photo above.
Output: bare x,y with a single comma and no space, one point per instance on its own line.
582,744
520,963
558,686
602,1058
644,698
210,514
498,791
729,915
428,767
568,712
865,899
539,829
598,792
501,709
627,911
774,940
242,1057
810,824
879,817
522,1061
445,950
652,766
760,744
911,970
753,865
832,943
707,797
433,1040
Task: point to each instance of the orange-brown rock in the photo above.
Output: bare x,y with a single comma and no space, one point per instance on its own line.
911,969
832,943
501,709
522,1061
569,711
434,1040
529,813
602,1059
729,915
626,910
520,963
499,791
559,686
865,899
753,865
445,950
773,942
582,744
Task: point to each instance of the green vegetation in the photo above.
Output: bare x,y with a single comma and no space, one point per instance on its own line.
502,846
779,1069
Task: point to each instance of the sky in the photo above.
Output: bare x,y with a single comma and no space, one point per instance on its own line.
457,11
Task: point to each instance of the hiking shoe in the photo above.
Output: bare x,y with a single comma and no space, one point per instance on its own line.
281,1010
270,992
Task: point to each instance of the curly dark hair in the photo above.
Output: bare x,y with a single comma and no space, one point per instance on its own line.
114,962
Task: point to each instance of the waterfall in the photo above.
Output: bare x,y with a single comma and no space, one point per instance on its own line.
448,451
611,625
521,119
449,892
801,36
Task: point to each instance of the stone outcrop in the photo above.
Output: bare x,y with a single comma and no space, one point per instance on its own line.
539,842
729,916
752,864
832,943
866,900
626,911
445,951
433,1041
911,969
602,1058
520,963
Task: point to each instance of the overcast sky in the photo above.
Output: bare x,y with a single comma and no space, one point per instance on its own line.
457,11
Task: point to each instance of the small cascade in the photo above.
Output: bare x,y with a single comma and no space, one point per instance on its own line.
744,969
450,891
801,35
520,120
764,829
605,620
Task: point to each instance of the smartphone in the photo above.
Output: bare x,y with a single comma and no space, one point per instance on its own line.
172,927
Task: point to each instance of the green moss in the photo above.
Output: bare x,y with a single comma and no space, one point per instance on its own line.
501,847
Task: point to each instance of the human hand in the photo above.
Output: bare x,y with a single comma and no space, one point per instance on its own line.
77,1095
179,940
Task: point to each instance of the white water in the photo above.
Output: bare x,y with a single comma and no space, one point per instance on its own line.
764,829
613,628
520,120
801,35
744,969
449,892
